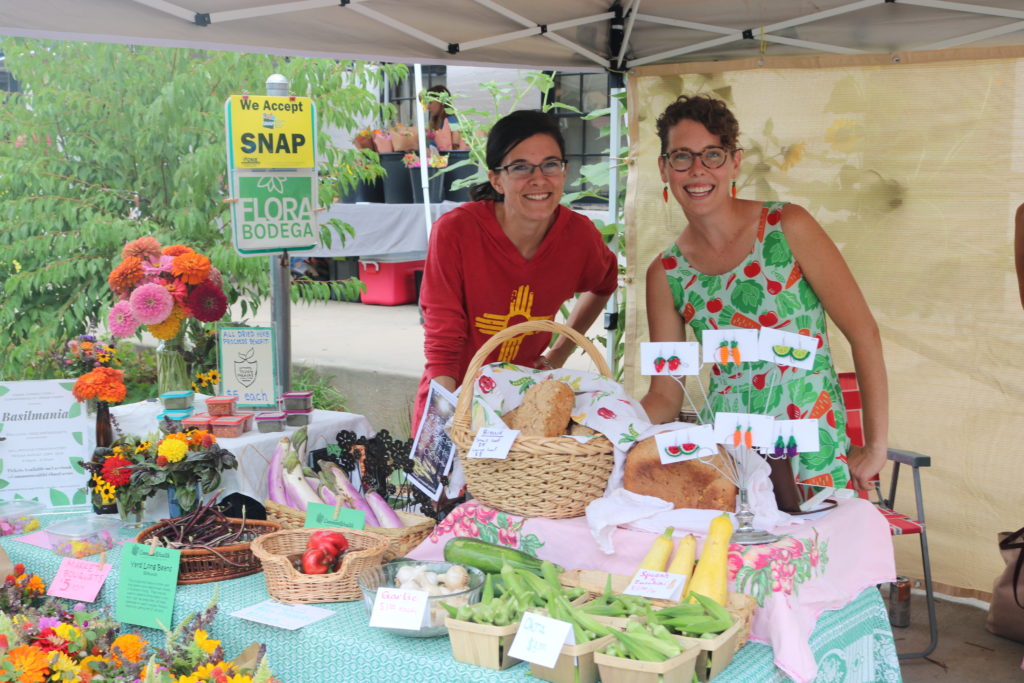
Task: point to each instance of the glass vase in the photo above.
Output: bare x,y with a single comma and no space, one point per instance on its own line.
171,369
130,519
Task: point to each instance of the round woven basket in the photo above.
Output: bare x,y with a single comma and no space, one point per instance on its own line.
400,541
543,476
281,553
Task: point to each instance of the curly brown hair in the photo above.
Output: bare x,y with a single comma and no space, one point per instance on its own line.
711,113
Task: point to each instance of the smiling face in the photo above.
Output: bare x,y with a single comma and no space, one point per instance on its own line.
535,198
698,189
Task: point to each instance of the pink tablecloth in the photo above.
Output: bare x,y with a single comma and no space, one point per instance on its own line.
817,566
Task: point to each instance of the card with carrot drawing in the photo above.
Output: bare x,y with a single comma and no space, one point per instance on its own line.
744,430
787,348
669,358
730,346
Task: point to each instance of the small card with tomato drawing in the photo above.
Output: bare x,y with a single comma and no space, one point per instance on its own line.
787,348
744,430
669,358
730,346
686,444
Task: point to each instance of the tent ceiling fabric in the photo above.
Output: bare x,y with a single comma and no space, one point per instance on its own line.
562,34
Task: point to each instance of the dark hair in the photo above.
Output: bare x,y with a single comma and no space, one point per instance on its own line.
437,120
508,132
711,113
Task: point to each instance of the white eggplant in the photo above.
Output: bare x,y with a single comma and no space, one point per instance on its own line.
348,493
275,473
326,494
387,518
298,490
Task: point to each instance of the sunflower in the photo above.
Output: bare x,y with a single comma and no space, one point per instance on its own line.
30,663
208,645
193,268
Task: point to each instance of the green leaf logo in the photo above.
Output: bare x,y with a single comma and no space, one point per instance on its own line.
3,389
75,410
58,498
76,463
67,385
4,483
79,497
77,436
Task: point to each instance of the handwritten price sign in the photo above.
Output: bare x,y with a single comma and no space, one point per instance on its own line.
79,580
539,640
399,608
492,442
657,585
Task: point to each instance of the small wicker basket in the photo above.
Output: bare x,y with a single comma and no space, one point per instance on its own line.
543,476
281,551
400,541
202,566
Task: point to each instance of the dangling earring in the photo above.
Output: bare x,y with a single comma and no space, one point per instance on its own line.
664,193
734,189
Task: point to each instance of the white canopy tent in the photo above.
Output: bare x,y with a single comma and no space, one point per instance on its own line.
576,35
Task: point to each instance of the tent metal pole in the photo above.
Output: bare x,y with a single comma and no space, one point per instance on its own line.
280,282
611,309
417,70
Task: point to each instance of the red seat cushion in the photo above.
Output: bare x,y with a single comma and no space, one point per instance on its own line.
900,524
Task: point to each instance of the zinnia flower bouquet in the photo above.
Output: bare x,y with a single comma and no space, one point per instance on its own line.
84,353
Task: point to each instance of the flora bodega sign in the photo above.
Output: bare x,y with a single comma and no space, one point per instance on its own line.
273,212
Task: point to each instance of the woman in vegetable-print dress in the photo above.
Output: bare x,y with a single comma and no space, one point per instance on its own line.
744,264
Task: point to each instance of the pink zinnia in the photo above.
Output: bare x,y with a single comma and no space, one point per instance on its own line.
151,303
207,302
215,277
121,321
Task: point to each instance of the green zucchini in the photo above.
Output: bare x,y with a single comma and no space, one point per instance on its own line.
488,557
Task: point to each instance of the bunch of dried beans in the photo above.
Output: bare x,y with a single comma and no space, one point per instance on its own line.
205,528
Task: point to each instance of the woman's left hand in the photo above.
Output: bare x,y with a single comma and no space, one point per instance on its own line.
865,462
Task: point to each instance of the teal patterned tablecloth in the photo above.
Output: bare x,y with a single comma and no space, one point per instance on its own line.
851,644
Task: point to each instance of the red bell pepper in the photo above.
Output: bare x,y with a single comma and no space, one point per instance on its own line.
316,561
334,541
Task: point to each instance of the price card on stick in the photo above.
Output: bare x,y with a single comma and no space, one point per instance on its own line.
686,444
147,585
736,429
730,346
322,515
804,433
539,639
492,442
79,580
400,608
656,585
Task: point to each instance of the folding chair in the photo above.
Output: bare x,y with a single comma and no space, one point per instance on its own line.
899,524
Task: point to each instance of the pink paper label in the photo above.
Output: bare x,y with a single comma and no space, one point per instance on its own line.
79,579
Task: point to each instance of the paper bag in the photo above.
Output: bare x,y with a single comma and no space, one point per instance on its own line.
404,138
382,143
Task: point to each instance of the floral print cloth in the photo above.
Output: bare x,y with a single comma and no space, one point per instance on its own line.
768,289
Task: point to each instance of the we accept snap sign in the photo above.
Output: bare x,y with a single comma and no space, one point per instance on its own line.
272,167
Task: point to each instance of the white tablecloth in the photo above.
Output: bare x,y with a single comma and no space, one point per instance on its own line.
254,449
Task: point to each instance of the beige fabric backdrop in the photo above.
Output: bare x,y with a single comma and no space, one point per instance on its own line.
914,168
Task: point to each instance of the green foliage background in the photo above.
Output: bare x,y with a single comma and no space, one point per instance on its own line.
99,131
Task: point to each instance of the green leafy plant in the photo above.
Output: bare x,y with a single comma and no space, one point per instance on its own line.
325,395
110,142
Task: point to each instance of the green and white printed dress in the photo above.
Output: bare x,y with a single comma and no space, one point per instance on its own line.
768,289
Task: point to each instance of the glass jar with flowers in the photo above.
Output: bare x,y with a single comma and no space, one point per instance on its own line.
164,288
115,466
106,386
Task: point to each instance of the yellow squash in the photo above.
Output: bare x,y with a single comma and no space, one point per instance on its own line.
711,578
686,553
656,558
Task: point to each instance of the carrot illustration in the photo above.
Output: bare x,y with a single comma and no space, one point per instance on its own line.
728,283
794,276
723,352
821,406
820,480
761,224
734,348
688,312
690,282
740,320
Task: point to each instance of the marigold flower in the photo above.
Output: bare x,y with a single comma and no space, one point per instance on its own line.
193,268
145,249
172,449
207,302
125,276
151,303
177,250
30,663
129,647
121,321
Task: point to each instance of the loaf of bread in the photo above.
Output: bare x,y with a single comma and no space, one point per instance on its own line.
545,411
687,484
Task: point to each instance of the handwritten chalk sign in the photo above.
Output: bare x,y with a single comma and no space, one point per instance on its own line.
321,515
79,580
656,585
248,365
148,582
539,639
492,442
399,608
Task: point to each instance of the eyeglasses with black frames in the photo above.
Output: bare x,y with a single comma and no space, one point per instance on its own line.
521,169
711,157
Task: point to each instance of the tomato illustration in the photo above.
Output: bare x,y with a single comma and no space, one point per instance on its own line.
752,270
668,263
768,319
714,306
486,384
605,413
774,217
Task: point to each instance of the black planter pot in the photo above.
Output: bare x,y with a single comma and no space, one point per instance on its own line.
365,192
397,188
435,186
450,176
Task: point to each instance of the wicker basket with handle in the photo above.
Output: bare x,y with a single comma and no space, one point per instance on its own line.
400,541
281,551
543,476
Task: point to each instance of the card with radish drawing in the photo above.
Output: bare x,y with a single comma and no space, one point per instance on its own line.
730,346
669,358
787,348
686,444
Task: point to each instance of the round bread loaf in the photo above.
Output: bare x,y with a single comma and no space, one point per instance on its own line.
687,484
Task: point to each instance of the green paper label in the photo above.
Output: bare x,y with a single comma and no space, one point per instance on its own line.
322,515
147,585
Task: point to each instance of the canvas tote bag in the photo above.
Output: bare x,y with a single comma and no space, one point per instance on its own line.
1006,613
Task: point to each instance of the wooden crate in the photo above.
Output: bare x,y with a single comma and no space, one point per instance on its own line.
715,653
678,669
482,644
573,659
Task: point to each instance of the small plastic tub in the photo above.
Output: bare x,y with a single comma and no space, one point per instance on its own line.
177,400
197,421
173,420
270,422
297,418
230,427
19,516
297,400
221,406
82,536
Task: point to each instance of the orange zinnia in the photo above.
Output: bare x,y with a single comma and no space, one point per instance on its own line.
144,249
31,663
109,384
177,250
125,276
192,268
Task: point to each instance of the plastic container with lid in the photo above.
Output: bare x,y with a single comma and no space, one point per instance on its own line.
297,400
297,418
230,426
171,420
177,400
82,536
221,406
19,516
197,421
270,421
